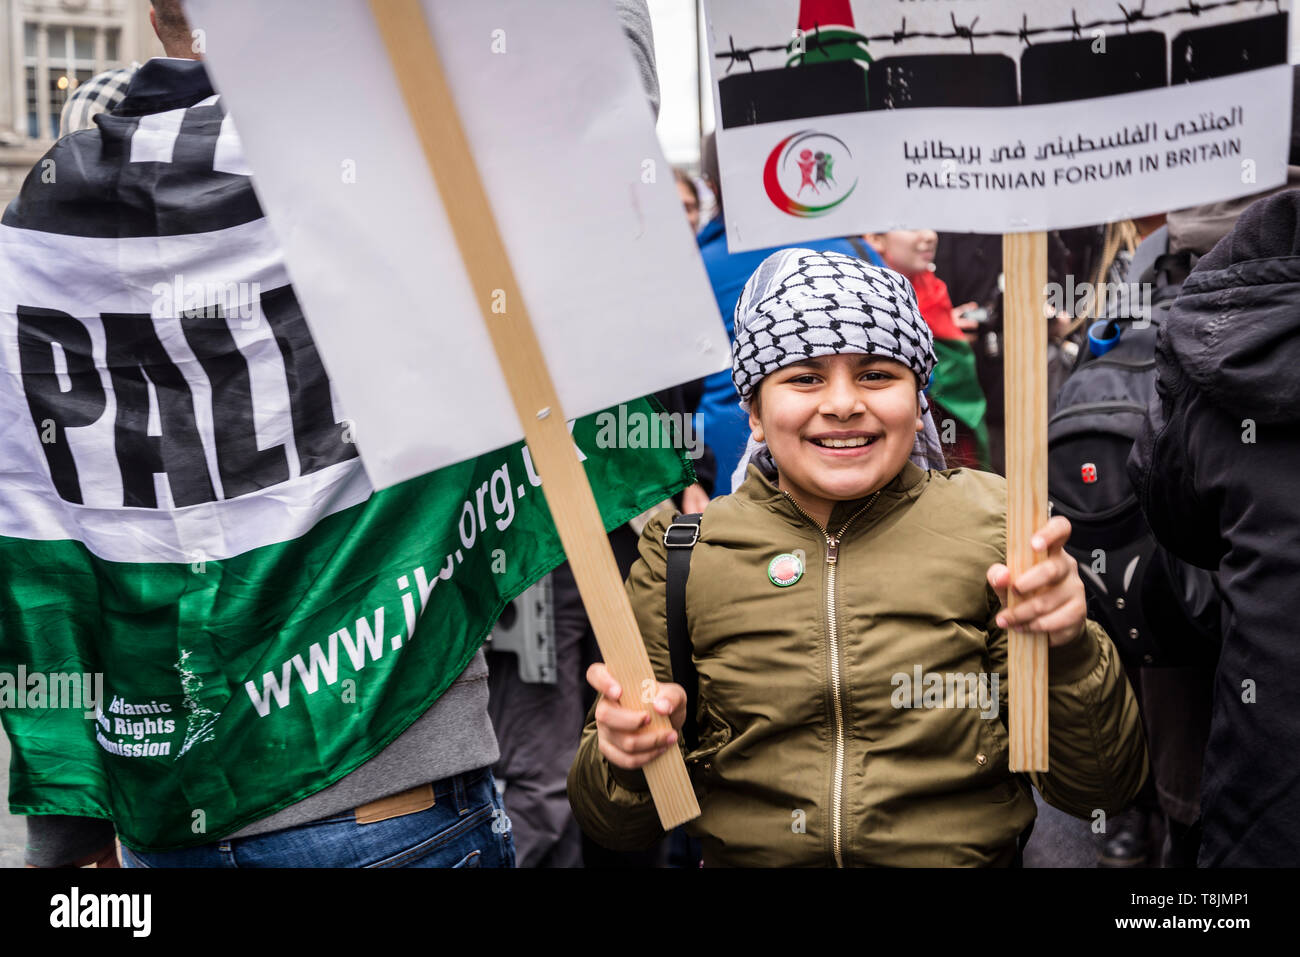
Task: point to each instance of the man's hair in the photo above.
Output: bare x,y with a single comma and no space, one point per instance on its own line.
709,165
684,178
172,24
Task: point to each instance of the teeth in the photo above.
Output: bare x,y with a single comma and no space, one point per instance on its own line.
843,443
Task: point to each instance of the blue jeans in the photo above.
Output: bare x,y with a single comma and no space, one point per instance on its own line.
466,827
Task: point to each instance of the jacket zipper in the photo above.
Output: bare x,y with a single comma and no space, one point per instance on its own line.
837,695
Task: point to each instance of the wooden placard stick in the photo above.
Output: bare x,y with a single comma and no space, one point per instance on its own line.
1024,265
433,114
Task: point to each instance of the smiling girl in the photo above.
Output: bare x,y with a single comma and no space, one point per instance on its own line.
846,612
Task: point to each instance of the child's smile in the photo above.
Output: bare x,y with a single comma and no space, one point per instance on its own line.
838,427
844,443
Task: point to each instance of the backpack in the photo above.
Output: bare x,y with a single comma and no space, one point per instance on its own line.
1158,610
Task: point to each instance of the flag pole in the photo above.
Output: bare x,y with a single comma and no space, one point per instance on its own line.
433,115
1024,265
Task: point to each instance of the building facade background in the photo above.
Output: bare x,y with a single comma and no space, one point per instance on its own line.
47,49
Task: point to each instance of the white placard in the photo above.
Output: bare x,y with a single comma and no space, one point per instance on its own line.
988,115
586,204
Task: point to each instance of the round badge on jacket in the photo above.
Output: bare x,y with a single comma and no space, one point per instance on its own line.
785,570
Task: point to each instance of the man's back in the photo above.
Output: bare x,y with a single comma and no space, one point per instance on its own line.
1215,473
175,447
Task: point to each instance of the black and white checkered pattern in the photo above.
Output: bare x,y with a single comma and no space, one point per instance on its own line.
803,304
100,94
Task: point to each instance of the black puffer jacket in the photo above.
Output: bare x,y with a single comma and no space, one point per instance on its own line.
1216,470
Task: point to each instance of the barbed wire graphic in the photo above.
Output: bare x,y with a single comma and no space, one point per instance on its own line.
814,41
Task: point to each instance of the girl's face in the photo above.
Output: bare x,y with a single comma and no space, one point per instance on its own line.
909,251
838,427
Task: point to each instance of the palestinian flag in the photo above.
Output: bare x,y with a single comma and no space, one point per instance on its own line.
954,385
183,512
829,34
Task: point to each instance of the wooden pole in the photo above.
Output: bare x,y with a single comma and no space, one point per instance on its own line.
1024,265
433,114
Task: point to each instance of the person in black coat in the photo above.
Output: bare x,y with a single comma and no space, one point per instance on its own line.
1215,470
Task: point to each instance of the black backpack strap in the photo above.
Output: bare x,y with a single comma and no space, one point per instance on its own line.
680,538
1174,268
859,247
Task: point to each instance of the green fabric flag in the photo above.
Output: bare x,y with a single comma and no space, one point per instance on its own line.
956,387
232,688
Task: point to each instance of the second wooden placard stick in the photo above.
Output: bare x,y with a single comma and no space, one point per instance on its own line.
1024,328
433,114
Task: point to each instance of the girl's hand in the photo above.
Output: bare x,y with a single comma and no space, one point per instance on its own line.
694,499
968,326
1050,595
619,731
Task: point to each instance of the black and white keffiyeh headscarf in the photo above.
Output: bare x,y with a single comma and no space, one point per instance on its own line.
802,304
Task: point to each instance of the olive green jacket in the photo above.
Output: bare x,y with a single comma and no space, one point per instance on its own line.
818,746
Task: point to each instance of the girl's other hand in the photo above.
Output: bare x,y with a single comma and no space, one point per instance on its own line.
969,327
1049,596
959,317
621,732
694,499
